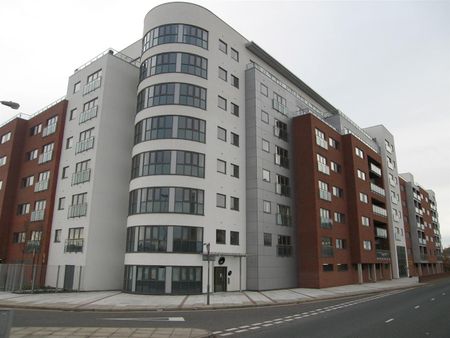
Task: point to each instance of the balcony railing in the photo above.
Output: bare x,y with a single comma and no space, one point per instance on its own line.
74,245
420,226
326,223
439,257
423,257
321,142
422,241
325,195
375,169
50,129
279,107
282,161
283,219
41,186
93,85
88,115
45,157
81,176
377,189
327,251
37,215
379,210
284,250
280,133
33,245
381,233
84,145
282,189
77,210
323,168
383,254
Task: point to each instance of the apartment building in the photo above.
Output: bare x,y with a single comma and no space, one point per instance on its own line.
30,149
421,221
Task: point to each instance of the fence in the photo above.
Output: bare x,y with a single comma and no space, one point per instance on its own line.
40,278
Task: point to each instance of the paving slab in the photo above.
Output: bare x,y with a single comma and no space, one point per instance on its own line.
122,301
282,296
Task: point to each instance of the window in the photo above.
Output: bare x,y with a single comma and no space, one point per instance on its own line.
327,267
340,243
19,237
72,114
321,139
280,130
234,54
65,172
61,203
333,143
86,134
338,192
6,137
160,94
149,200
44,176
187,279
342,267
221,134
57,237
31,155
265,145
3,160
194,65
190,128
335,167
266,175
263,90
235,139
339,217
89,110
158,64
367,245
222,103
158,127
284,247
234,109
361,174
187,239
160,35
223,46
234,203
221,201
53,120
234,81
79,199
281,157
283,215
1,184
234,238
27,181
221,166
190,164
36,129
322,165
77,86
282,185
264,117
151,163
279,103
365,221
220,236
267,206
23,209
222,74
267,239
195,36
69,142
234,170
325,220
363,198
189,201
359,152
40,205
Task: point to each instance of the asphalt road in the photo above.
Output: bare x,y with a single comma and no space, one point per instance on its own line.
418,312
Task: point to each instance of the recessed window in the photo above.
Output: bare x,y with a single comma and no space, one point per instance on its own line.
267,206
365,221
335,167
220,236
266,175
3,160
23,209
363,198
265,145
267,239
65,172
339,217
264,90
6,137
234,170
234,54
57,237
221,201
340,243
359,152
31,155
27,181
72,114
222,74
221,134
342,267
222,102
234,203
333,143
36,129
69,142
19,237
327,267
77,86
361,174
234,109
61,203
234,238
221,166
235,139
234,81
367,245
223,46
338,192
264,117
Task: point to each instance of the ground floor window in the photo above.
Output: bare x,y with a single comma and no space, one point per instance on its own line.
186,279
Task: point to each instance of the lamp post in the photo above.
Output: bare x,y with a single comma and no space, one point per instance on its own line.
11,104
208,245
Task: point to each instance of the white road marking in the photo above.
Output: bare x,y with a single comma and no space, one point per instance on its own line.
231,329
240,331
268,324
243,327
389,320
149,319
432,299
255,327
256,324
217,332
278,322
416,307
226,334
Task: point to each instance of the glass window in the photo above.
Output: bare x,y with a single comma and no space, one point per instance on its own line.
235,139
222,102
149,200
265,145
234,81
266,175
363,198
190,164
234,54
220,236
189,201
365,221
191,95
234,170
267,206
147,239
150,279
264,90
186,280
221,166
6,137
280,130
234,238
73,114
61,203
221,134
69,142
151,163
160,35
234,203
367,245
222,74
77,86
194,64
284,247
267,239
190,128
158,64
234,109
187,239
223,46
221,201
57,237
264,117
158,127
195,36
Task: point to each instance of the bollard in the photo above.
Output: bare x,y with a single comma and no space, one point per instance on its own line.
5,322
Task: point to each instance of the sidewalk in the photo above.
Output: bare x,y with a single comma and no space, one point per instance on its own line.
119,301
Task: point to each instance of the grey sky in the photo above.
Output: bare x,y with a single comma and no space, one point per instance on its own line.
379,62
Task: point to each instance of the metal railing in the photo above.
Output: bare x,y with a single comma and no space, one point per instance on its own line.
45,157
326,223
379,210
282,189
321,142
37,215
323,168
381,233
93,85
279,107
74,245
77,210
33,245
81,176
377,189
281,161
383,254
84,145
375,169
88,115
280,133
327,251
283,219
325,195
50,129
41,185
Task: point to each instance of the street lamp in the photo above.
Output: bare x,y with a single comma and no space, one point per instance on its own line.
11,104
208,245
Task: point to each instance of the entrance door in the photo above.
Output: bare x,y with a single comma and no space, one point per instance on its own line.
68,277
402,264
220,278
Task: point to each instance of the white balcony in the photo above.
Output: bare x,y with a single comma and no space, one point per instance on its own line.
279,107
379,210
93,85
375,169
41,186
49,130
77,210
37,215
321,142
282,189
88,115
81,176
325,195
323,168
84,145
45,157
280,133
281,161
381,233
377,189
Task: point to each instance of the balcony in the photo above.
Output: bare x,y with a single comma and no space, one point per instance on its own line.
418,211
375,169
284,250
93,85
423,256
422,241
41,186
323,168
88,115
81,176
283,219
77,210
420,226
383,254
381,233
279,107
74,245
33,246
325,195
321,142
282,161
50,129
379,210
327,251
282,189
389,148
377,189
439,257
45,157
37,215
326,223
84,145
280,133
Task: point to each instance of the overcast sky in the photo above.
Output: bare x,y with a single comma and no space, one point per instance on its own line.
378,62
